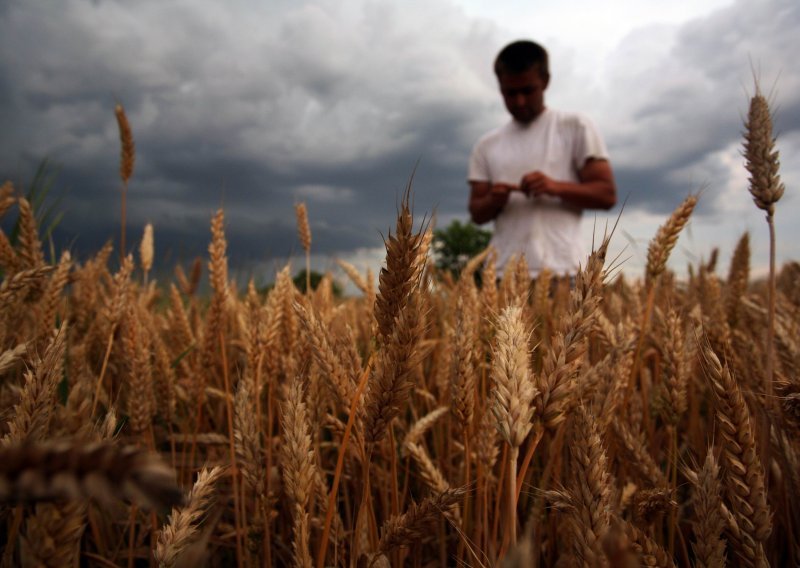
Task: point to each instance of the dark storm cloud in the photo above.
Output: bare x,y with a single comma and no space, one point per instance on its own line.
254,107
246,108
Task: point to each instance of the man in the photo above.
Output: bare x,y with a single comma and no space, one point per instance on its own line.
536,174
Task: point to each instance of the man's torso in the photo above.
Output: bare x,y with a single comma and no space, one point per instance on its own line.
543,228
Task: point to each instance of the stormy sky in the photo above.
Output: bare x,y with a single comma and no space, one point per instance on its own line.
254,106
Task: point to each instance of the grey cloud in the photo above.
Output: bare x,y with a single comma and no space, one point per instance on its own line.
684,98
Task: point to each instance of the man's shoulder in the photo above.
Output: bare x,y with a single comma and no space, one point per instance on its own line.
569,119
493,135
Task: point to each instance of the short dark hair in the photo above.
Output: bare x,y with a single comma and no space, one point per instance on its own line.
521,56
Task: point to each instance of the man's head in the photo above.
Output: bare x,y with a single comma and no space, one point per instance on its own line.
523,73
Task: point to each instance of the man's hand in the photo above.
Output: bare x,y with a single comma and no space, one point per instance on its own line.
502,190
536,184
594,190
487,199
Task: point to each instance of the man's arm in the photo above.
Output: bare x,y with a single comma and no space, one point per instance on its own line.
595,190
486,200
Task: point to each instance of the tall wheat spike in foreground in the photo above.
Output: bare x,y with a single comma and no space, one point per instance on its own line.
766,188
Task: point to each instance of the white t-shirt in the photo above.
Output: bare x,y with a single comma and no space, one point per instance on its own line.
543,228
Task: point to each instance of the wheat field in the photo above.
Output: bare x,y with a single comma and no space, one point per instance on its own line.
429,421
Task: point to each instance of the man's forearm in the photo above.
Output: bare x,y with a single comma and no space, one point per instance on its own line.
587,195
486,207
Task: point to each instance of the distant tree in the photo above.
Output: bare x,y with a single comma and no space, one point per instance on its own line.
454,245
316,277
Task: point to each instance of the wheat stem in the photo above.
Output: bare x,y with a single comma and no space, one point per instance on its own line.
323,545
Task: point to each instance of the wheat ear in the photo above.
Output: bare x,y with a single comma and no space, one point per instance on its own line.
462,375
184,522
709,547
744,474
127,157
30,247
512,397
217,315
248,444
10,357
53,293
16,287
401,274
298,469
137,345
339,378
53,534
667,235
31,420
354,275
592,489
7,198
418,429
650,553
304,232
413,525
391,382
738,278
762,159
146,250
76,470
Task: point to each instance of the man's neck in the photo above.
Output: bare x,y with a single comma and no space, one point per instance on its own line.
530,122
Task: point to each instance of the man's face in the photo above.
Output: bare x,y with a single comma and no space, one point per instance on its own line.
523,94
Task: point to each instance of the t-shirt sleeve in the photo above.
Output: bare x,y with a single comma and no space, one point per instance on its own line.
478,169
588,143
